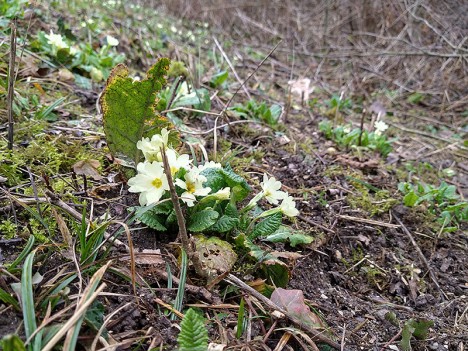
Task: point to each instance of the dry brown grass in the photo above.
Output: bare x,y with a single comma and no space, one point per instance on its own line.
354,46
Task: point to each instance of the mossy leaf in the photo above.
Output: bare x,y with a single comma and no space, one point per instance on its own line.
129,112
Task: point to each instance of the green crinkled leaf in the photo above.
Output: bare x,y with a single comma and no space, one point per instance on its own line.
284,234
421,328
231,210
225,224
406,333
129,112
214,179
193,334
267,226
276,272
202,220
151,215
239,187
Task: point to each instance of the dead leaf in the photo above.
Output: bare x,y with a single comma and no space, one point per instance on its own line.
62,226
364,239
293,302
147,257
215,254
88,168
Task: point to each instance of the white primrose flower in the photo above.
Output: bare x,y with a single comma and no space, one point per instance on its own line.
380,127
152,148
150,181
193,185
111,41
56,40
177,162
271,189
222,194
288,207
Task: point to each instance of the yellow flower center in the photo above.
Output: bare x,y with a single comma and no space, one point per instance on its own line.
190,187
173,170
157,183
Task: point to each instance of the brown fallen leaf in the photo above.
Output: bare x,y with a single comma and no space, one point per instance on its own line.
88,168
62,226
293,302
147,257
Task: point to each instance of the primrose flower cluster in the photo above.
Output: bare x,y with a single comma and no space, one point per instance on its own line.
272,193
151,181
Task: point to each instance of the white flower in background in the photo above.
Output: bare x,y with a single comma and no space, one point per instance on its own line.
193,185
207,165
56,40
222,194
152,148
347,128
111,41
177,162
288,207
150,181
380,127
271,190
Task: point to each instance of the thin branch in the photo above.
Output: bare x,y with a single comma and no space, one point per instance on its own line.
11,83
193,256
420,253
232,68
273,306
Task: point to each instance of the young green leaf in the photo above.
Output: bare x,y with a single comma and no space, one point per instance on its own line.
202,220
193,335
267,226
284,234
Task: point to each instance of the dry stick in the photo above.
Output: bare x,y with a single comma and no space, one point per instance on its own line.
250,76
192,255
232,68
316,335
420,253
55,200
11,83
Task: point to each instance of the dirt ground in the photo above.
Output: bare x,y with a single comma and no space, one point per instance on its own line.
374,264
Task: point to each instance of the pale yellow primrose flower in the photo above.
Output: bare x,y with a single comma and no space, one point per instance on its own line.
222,194
380,127
271,190
111,41
177,162
288,207
150,181
152,148
56,40
193,185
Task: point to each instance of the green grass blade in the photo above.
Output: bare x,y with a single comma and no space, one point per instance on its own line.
22,255
9,300
27,302
181,288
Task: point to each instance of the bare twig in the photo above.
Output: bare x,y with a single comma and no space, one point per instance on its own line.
250,75
193,256
11,83
315,334
420,253
232,67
